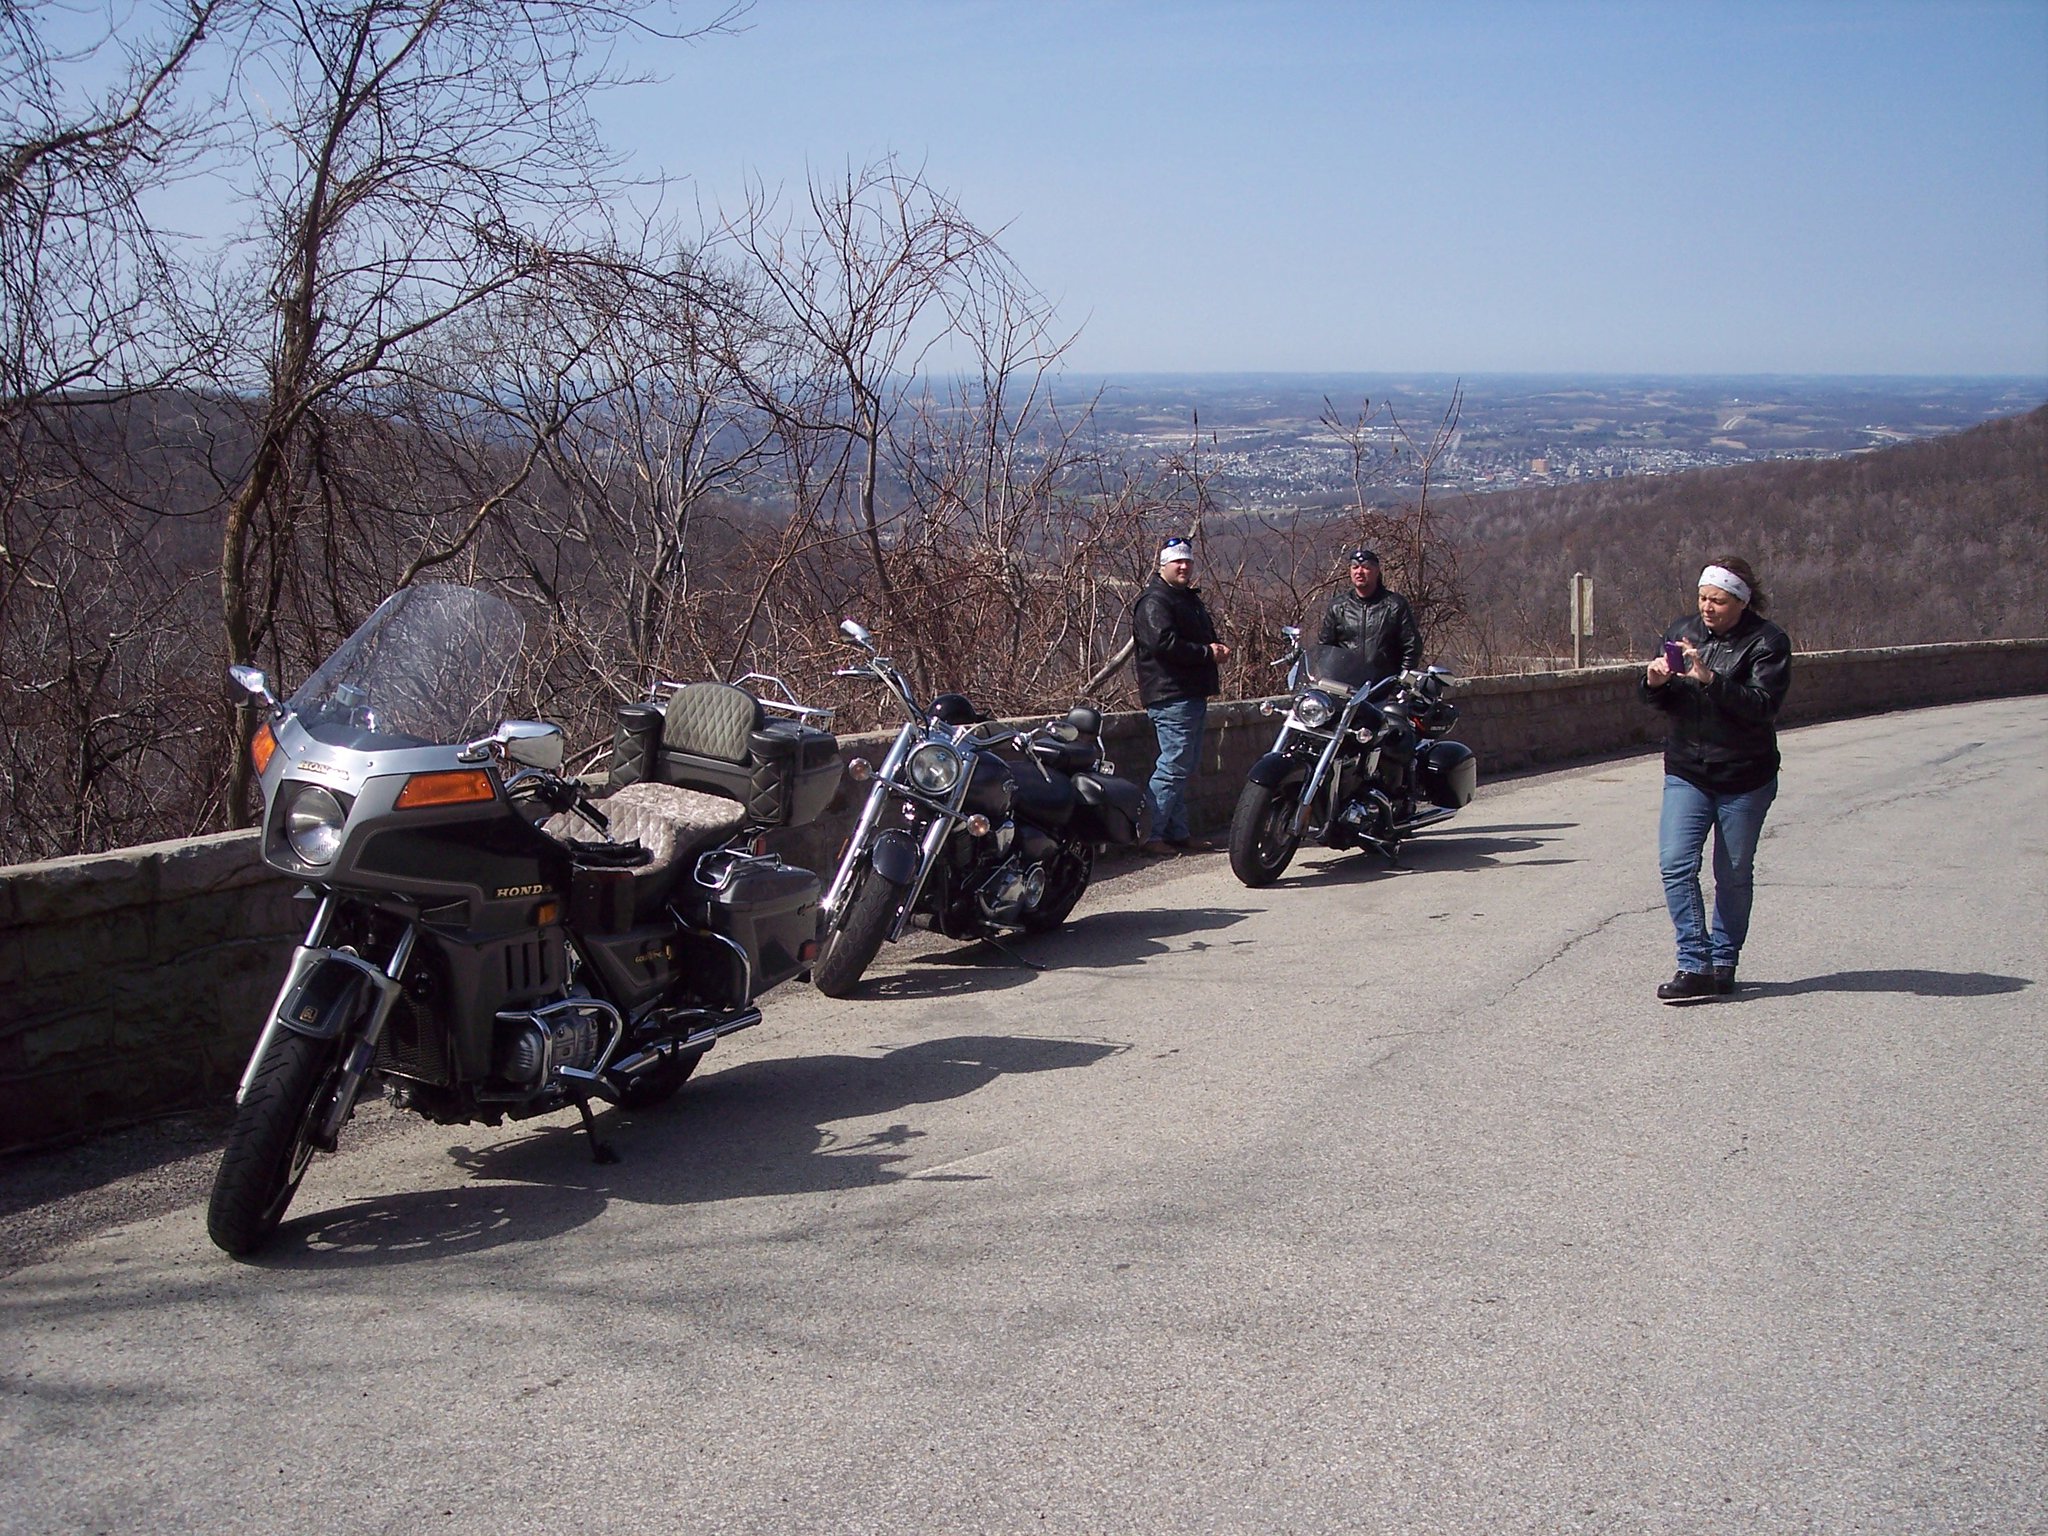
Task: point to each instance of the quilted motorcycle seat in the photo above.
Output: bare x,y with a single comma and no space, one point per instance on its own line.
673,824
711,720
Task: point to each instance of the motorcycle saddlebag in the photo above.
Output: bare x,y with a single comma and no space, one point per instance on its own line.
1448,773
1108,810
768,908
715,738
603,885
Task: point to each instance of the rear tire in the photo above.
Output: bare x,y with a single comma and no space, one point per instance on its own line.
268,1150
856,939
1262,840
1075,869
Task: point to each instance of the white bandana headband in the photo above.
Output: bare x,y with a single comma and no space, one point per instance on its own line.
1720,576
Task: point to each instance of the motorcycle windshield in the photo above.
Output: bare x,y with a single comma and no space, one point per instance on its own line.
432,665
1341,665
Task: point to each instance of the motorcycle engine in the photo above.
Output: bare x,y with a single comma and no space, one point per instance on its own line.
533,1047
1012,890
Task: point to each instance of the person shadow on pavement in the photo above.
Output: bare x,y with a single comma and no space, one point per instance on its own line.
1913,983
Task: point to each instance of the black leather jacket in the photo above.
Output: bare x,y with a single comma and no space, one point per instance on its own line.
1722,736
1173,633
1383,625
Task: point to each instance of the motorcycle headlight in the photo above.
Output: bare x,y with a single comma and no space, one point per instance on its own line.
934,769
312,824
1314,708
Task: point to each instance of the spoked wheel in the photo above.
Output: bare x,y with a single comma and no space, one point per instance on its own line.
1066,882
857,934
1262,839
269,1144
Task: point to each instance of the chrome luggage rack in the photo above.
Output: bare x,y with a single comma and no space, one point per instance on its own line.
781,700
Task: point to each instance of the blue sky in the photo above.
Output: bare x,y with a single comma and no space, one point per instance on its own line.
1456,186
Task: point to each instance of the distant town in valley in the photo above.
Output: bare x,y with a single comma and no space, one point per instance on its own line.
1262,441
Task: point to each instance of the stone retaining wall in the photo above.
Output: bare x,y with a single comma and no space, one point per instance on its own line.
134,982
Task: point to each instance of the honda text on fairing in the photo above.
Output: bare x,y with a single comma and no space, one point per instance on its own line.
956,835
488,942
1356,764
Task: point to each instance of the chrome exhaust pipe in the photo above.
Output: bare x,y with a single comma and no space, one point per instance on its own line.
1428,818
704,1028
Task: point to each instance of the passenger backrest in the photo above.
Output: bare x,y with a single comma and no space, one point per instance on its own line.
711,720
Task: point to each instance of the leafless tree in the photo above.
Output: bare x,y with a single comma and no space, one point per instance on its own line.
95,697
407,161
1420,557
881,269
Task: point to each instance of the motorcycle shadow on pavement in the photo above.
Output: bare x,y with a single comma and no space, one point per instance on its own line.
1088,940
1462,850
408,1226
760,1128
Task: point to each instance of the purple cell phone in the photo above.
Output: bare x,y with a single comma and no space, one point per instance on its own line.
1674,657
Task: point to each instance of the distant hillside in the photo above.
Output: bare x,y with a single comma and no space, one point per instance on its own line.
1931,541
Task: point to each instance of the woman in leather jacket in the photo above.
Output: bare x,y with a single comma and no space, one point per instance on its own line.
1721,706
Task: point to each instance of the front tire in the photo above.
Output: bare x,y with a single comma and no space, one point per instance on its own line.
854,942
1262,840
268,1146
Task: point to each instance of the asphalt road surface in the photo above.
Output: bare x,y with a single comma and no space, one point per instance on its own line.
1376,1201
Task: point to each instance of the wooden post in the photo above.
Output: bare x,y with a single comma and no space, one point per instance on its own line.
1582,615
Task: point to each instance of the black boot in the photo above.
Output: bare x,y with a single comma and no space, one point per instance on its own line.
1724,979
1689,987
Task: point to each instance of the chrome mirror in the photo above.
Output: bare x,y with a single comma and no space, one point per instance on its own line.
252,681
857,633
532,744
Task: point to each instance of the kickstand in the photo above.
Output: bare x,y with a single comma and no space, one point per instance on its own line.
600,1151
1012,955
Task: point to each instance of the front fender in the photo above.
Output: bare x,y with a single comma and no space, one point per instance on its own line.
1276,768
334,994
895,856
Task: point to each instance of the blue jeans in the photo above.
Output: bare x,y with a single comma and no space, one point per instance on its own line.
1179,728
1737,822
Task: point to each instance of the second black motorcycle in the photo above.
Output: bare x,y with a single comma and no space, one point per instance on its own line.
1357,764
959,836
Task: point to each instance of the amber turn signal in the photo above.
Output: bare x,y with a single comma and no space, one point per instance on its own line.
456,786
263,747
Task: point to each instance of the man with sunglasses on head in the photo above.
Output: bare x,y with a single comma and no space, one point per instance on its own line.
1369,616
1178,657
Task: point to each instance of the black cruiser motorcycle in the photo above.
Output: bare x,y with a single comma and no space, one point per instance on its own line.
1355,766
959,837
487,942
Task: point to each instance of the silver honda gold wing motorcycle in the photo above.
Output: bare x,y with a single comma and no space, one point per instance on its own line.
1354,766
958,836
488,942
